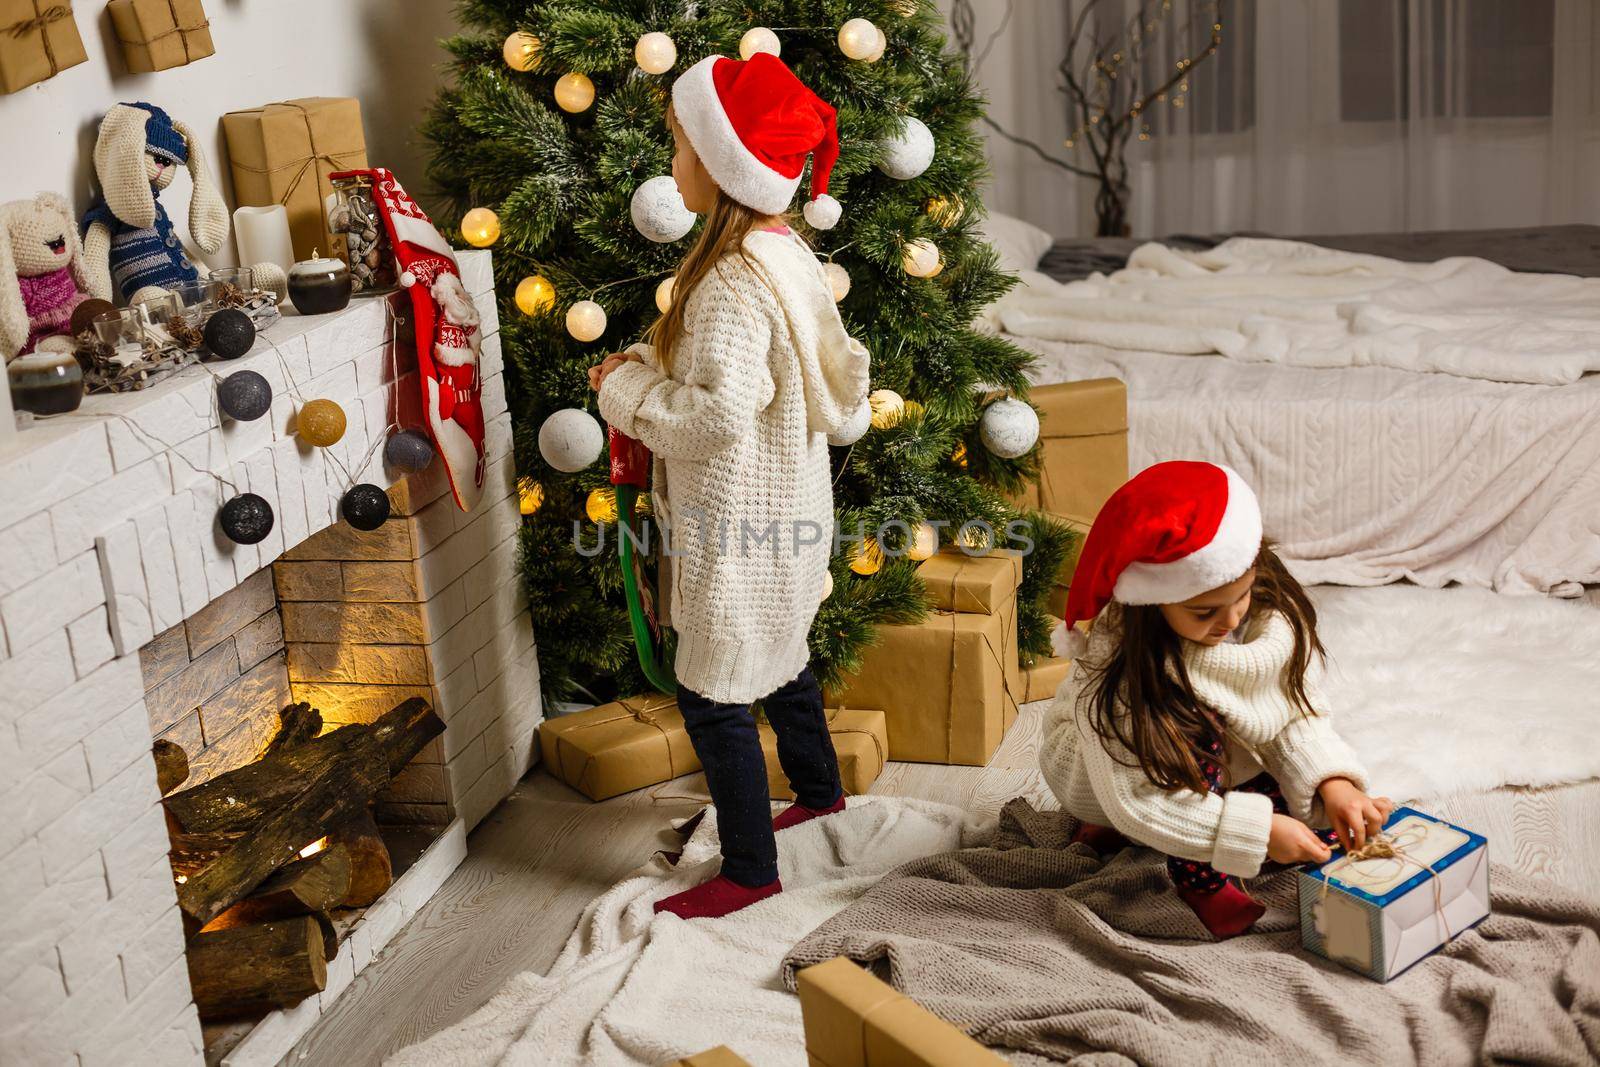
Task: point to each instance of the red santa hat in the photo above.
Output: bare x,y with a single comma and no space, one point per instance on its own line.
1173,531
752,122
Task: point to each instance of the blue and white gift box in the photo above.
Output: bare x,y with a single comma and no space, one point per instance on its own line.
1378,916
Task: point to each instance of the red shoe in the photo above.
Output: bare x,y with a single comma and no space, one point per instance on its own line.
1102,839
716,898
1228,912
797,813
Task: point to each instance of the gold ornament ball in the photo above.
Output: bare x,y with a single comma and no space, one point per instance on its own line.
886,406
946,211
574,92
521,51
530,494
921,258
877,51
869,558
858,38
925,543
480,227
535,294
601,505
655,53
759,39
586,320
664,293
321,423
838,280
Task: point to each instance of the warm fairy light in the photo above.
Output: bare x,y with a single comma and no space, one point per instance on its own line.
182,879
877,50
601,505
664,293
946,211
480,227
921,258
574,92
925,544
530,494
312,849
827,584
886,406
535,294
521,51
959,456
838,280
655,53
759,39
868,558
586,320
858,38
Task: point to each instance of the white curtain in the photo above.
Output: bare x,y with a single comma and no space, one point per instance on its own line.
1351,116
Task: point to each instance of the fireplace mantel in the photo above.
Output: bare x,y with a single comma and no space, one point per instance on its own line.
108,537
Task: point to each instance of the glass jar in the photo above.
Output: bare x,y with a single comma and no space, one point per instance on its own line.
360,238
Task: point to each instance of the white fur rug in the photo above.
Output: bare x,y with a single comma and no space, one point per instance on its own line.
635,988
1454,690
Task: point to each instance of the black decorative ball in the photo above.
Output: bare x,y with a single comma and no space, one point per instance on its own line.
246,519
365,506
229,333
244,395
409,450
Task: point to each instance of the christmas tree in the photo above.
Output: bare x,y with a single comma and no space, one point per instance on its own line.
555,122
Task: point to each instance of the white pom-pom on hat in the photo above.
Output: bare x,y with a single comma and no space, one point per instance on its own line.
823,212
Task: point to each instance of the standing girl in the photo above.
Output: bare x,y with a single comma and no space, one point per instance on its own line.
1189,722
748,375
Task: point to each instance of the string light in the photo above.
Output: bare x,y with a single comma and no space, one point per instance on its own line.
858,38
759,39
521,51
946,210
574,92
921,258
886,406
868,558
664,293
535,295
838,280
655,53
480,227
530,495
601,505
586,320
925,544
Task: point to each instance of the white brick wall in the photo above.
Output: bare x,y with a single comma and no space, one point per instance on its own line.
107,536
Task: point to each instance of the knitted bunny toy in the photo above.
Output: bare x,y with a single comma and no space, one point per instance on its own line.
42,274
128,240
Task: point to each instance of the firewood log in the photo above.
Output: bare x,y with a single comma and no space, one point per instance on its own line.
257,967
318,883
297,724
172,765
371,872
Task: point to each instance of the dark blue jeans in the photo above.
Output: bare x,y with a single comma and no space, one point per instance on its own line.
725,739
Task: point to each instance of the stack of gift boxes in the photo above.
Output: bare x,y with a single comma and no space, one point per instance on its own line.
943,690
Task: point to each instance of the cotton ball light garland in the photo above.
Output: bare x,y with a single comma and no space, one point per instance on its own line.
924,543
574,92
921,258
664,293
655,53
877,52
409,450
959,456
857,38
246,519
868,558
658,212
229,333
827,584
586,320
535,294
1009,427
321,423
530,496
521,51
907,153
838,280
601,506
886,407
946,211
854,429
570,440
365,506
244,395
480,227
759,39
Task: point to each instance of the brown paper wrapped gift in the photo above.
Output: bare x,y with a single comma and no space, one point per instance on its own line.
1063,582
948,685
721,1056
852,1019
1040,681
860,740
618,747
38,40
283,154
960,582
161,34
1083,447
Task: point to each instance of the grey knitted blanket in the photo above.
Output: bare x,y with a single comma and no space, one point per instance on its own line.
1044,952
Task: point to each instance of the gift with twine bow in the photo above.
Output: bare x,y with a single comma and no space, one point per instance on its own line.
283,154
860,740
38,40
619,747
948,686
1083,447
161,34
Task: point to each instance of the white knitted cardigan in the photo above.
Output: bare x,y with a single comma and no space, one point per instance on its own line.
763,374
1099,781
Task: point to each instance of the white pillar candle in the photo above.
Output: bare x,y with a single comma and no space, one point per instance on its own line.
262,234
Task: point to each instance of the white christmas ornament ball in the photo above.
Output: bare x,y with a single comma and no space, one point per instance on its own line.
658,210
822,213
1009,428
855,429
571,439
921,258
838,279
655,53
586,320
759,39
908,153
857,38
664,293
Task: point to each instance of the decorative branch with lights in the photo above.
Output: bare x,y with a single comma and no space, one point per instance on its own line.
1112,84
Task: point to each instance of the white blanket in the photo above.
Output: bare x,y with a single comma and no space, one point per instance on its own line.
1264,300
638,989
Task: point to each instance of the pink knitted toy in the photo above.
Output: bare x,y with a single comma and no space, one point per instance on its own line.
42,275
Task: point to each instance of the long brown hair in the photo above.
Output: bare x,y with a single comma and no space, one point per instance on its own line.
1142,698
727,224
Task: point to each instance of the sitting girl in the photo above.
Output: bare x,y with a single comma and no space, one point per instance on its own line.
1189,721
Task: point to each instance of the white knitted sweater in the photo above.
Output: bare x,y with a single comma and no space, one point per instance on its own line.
763,374
1100,782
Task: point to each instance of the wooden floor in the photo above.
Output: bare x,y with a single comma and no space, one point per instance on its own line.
534,864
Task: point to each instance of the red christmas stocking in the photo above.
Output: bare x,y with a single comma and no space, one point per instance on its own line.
447,335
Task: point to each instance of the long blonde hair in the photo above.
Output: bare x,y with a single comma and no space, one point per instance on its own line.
727,224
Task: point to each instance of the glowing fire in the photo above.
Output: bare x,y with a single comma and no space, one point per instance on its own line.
312,849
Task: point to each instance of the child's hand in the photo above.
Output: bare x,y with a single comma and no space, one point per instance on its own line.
1353,815
597,374
1292,841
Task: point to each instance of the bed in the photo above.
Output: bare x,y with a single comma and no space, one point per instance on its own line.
1370,474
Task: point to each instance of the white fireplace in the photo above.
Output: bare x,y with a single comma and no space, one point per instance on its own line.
128,617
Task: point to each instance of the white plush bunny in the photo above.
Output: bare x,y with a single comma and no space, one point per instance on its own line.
43,277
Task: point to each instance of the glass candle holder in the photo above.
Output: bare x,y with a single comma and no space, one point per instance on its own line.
124,332
232,286
46,383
